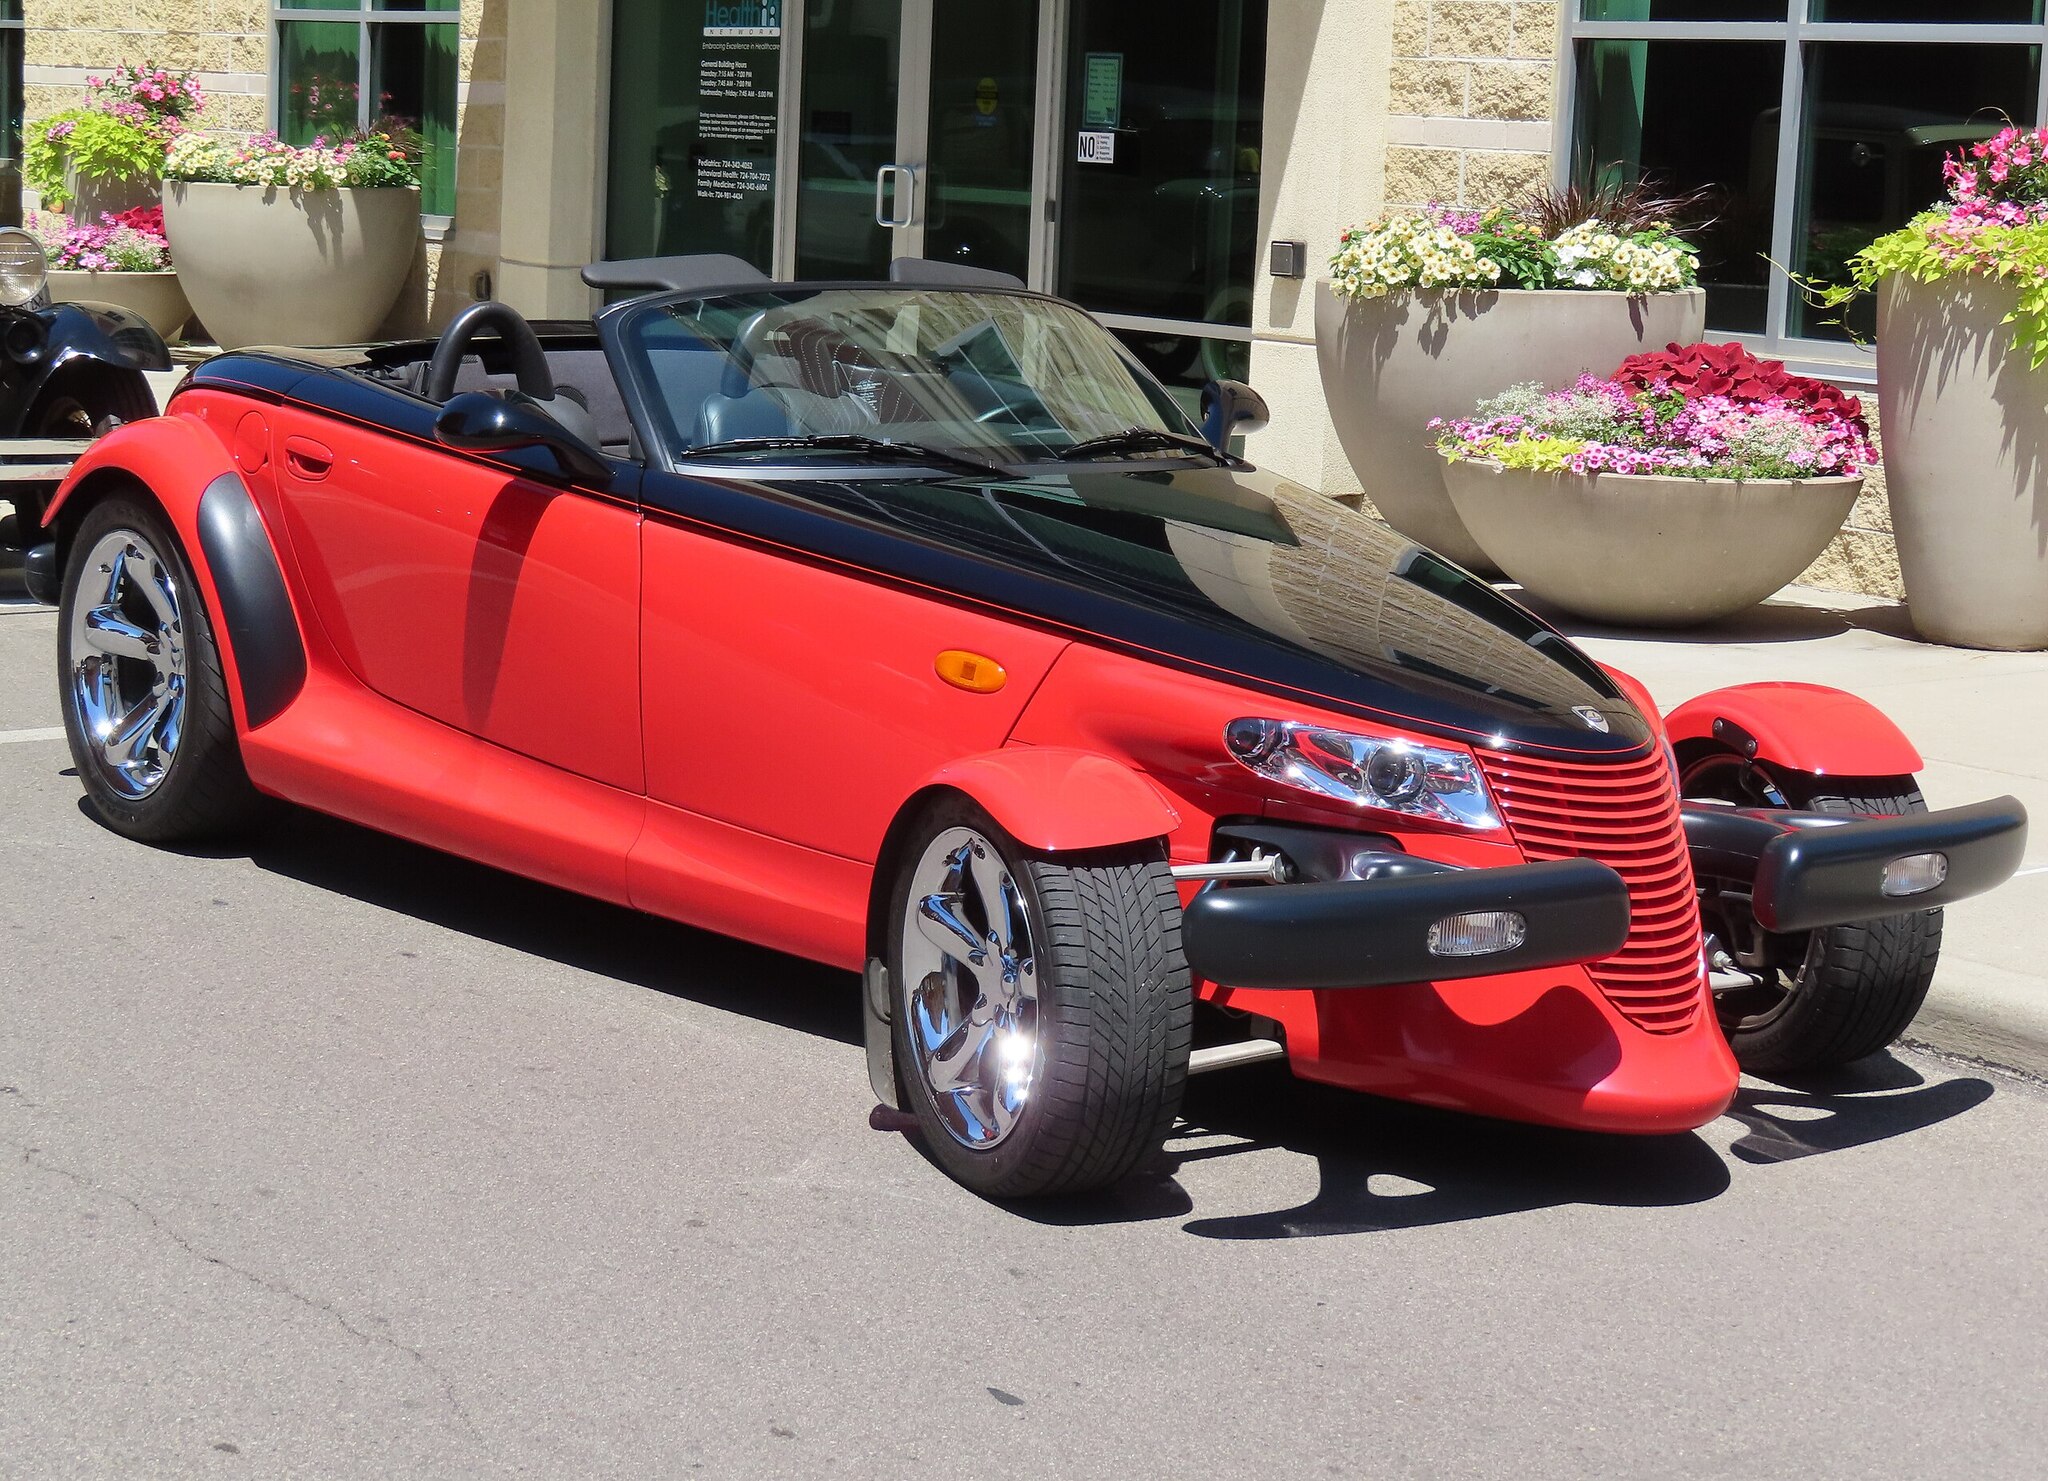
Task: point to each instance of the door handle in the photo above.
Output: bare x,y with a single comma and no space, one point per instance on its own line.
884,178
306,458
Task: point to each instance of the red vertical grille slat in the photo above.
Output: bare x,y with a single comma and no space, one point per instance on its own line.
1625,814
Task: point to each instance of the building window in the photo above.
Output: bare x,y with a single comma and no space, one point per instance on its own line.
344,65
1812,126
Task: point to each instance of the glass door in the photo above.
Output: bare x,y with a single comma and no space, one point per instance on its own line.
919,135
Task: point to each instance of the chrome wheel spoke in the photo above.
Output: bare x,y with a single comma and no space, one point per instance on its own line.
127,685
134,731
972,1002
113,634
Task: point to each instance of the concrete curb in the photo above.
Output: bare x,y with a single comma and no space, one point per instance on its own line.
1983,1014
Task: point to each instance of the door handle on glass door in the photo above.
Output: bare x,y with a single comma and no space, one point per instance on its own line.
306,458
889,176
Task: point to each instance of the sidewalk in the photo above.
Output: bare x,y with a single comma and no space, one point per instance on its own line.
1979,719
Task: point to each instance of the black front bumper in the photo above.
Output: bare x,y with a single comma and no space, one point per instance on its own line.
1375,932
1807,870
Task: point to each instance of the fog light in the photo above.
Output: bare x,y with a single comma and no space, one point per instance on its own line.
1478,933
1915,874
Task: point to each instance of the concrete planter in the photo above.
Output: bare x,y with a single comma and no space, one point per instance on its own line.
1648,551
269,265
156,297
1390,364
1966,462
91,199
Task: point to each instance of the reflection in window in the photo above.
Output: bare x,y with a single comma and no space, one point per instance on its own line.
328,87
1167,227
1640,106
1879,120
1871,121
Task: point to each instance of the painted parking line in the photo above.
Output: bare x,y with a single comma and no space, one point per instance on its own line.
46,733
2037,869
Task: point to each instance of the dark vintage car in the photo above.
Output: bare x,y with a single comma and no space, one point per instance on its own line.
909,627
67,373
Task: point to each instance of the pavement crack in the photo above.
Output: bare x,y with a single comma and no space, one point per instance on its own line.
30,1157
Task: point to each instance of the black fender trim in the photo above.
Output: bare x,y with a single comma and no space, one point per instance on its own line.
1808,870
1375,932
255,608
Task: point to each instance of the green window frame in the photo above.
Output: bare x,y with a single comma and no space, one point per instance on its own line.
11,27
341,65
1838,112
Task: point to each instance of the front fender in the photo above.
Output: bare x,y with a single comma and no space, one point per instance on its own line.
1054,799
196,483
1797,727
100,331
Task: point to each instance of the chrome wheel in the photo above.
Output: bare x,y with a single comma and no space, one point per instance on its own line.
970,987
127,652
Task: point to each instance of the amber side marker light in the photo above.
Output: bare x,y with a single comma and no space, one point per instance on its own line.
977,673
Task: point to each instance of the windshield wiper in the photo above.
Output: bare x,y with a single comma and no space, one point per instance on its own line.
879,447
1136,439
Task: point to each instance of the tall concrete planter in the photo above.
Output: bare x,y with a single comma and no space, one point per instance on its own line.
157,297
1648,551
1390,364
270,265
1966,462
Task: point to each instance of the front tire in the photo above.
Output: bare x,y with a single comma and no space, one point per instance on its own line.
145,704
1041,1006
1831,996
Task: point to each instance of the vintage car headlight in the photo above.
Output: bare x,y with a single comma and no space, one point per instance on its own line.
1377,771
23,267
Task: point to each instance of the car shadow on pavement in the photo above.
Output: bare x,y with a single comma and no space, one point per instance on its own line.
1383,1165
1871,1101
556,924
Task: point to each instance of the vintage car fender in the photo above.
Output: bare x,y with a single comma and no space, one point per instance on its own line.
195,481
1798,727
1053,798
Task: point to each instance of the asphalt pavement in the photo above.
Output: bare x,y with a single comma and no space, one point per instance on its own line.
325,1155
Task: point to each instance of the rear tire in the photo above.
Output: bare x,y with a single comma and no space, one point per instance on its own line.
146,707
1840,993
1056,1064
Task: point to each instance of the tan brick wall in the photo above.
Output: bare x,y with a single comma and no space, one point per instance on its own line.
1863,557
1471,96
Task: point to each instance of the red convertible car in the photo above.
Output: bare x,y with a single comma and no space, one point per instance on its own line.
911,627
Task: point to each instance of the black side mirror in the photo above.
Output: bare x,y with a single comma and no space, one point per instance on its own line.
1231,409
488,422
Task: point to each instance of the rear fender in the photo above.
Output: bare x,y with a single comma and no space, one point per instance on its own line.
194,480
1796,727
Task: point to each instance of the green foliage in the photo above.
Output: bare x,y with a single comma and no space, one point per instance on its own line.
1927,249
1538,454
97,145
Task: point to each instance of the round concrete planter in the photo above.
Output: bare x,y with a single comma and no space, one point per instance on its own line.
1648,551
1390,364
1966,462
91,199
157,297
269,265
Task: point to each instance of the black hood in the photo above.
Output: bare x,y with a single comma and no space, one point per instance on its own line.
1237,573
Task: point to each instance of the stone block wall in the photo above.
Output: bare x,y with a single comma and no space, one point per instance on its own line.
1471,100
224,41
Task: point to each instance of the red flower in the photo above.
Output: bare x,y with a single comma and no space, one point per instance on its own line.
1730,370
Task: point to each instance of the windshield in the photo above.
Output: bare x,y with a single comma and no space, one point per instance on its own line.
998,378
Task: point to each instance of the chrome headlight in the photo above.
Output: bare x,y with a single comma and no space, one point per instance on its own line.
23,267
1383,772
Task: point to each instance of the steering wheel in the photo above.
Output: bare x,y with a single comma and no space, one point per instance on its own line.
529,361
